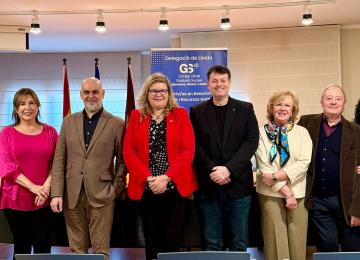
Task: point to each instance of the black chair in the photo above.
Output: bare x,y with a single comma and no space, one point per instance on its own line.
208,255
59,257
337,256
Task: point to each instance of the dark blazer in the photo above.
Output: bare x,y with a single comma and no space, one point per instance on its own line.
239,143
94,167
349,159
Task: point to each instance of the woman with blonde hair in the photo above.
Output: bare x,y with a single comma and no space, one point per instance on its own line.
283,157
159,147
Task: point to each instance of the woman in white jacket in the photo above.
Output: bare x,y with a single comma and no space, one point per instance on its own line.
283,157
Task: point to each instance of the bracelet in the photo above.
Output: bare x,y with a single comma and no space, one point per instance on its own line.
288,197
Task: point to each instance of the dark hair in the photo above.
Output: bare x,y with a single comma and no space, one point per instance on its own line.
220,70
19,95
357,113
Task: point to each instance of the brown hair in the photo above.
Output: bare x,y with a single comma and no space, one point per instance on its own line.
278,95
143,101
19,95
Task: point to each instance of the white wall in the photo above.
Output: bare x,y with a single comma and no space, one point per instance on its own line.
44,74
350,67
303,60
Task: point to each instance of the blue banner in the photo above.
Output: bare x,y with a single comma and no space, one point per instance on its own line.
186,69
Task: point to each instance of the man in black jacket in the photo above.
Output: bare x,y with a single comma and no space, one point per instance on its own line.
227,135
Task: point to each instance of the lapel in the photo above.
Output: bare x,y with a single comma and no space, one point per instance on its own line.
99,128
314,131
346,141
210,116
229,118
170,132
79,121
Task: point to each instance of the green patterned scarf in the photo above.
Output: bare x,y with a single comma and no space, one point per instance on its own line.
278,136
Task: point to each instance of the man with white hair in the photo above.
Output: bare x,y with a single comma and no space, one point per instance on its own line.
333,185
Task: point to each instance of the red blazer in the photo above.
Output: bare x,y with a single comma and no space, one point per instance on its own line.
180,144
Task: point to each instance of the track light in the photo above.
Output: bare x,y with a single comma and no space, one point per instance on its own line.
307,17
163,23
35,25
225,20
100,23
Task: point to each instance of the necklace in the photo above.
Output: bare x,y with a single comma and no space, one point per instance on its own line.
158,117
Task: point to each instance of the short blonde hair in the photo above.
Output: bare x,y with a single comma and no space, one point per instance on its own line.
143,100
279,95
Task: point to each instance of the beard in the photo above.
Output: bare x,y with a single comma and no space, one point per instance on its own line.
93,107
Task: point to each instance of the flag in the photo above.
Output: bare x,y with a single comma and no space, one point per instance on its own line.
66,100
130,106
130,100
97,72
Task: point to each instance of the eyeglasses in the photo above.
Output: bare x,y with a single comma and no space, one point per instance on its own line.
162,92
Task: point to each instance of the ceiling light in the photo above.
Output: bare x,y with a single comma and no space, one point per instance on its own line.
163,23
307,16
35,25
225,20
100,23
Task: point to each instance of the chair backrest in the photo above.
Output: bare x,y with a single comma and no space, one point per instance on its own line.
59,257
208,255
337,256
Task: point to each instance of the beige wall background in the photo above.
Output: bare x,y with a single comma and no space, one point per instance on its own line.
350,67
304,60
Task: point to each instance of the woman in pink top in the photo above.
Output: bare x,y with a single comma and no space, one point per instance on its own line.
26,154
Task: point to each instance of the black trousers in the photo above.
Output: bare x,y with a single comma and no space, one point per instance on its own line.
30,229
163,218
327,217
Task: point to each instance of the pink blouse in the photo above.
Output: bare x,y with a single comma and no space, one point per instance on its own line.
31,155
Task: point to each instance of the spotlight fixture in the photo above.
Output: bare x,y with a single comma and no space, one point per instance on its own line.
35,25
100,23
225,20
163,23
307,17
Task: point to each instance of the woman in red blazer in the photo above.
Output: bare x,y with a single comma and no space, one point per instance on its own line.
159,147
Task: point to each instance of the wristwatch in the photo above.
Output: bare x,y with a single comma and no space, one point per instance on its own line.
273,177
